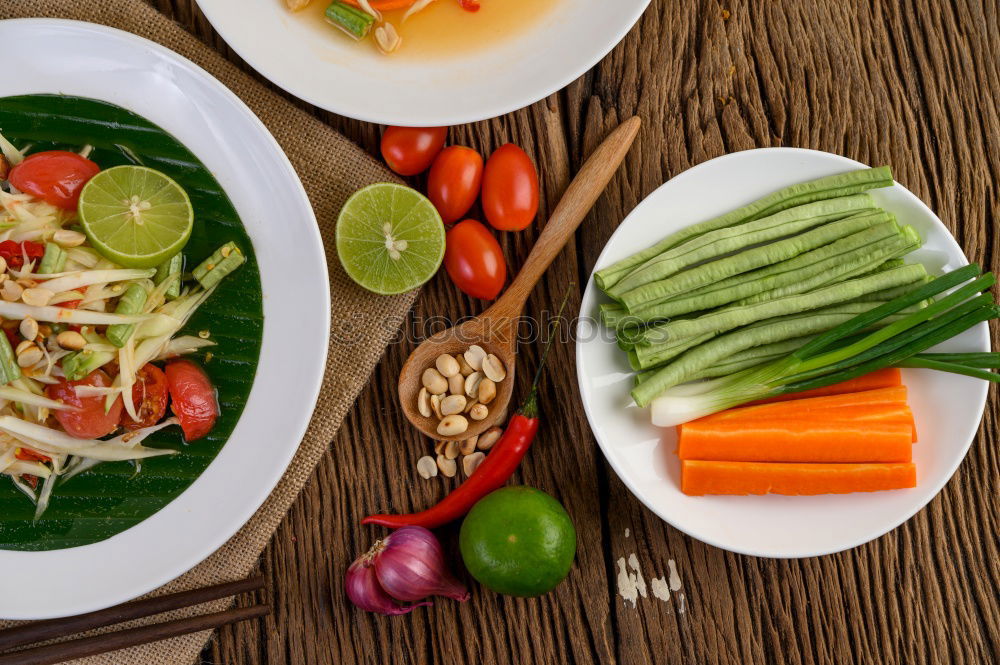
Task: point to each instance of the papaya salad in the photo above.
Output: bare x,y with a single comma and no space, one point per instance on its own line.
93,298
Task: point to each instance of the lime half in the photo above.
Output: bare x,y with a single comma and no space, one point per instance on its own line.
390,238
135,216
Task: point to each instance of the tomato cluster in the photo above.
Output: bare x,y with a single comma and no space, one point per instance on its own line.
507,185
183,384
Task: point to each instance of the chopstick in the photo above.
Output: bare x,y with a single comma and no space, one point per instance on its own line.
89,646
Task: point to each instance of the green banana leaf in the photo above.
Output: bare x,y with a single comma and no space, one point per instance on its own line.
112,497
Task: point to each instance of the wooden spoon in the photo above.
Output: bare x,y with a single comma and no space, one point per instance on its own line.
495,330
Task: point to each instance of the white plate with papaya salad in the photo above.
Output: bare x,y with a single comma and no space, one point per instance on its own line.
784,352
146,406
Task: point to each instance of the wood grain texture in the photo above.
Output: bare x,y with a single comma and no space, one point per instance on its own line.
910,83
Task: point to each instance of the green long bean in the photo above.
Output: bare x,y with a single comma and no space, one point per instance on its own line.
869,248
734,316
722,242
750,260
843,268
841,184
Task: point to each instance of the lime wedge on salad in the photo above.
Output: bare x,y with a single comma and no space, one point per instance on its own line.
135,216
390,238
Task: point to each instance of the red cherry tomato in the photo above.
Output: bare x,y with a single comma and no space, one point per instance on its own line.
410,150
89,420
453,183
474,260
510,189
14,252
149,394
193,398
55,176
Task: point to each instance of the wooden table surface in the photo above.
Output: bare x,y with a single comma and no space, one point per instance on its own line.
909,83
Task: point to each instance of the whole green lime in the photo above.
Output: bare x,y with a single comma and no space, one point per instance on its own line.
518,541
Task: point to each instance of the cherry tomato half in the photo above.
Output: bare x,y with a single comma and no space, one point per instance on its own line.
89,420
453,183
411,150
55,176
193,398
149,395
510,189
474,260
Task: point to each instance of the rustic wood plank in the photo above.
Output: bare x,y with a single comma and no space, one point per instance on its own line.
910,83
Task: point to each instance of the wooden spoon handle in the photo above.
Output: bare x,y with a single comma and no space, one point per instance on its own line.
576,202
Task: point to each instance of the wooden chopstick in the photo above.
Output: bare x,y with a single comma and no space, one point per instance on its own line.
39,631
130,637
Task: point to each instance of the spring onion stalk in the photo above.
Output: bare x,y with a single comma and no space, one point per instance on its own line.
843,184
725,241
817,363
751,259
922,362
731,317
976,359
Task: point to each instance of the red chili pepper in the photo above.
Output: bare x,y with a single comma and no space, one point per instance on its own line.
26,455
492,473
12,336
14,252
31,480
469,5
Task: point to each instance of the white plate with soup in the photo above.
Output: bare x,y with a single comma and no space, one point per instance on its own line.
453,66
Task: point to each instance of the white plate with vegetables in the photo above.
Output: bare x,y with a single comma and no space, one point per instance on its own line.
435,77
145,297
784,270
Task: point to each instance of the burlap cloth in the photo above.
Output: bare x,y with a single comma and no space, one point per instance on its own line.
331,168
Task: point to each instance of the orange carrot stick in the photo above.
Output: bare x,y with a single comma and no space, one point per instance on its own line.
895,395
699,478
882,378
804,440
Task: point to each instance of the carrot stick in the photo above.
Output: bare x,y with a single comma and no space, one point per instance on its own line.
699,478
895,395
804,440
882,378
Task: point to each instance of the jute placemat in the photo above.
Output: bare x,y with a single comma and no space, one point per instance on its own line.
331,168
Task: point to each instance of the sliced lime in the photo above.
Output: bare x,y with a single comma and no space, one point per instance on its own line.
390,238
135,216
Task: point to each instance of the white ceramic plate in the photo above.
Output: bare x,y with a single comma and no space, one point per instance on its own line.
947,407
316,63
94,61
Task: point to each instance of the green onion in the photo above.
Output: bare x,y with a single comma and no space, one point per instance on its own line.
355,22
819,363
